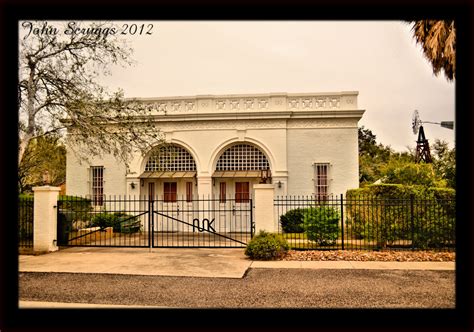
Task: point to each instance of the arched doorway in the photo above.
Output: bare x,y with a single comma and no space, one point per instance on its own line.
238,169
169,179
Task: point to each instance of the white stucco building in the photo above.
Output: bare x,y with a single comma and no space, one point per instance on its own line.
306,144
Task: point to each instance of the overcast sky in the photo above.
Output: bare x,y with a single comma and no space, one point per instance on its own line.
377,58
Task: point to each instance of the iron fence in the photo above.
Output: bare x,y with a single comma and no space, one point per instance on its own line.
25,222
366,223
155,222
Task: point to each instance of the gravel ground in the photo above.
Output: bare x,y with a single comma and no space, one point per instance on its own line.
260,288
347,255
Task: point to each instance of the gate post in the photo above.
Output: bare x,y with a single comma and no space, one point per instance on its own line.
264,214
45,219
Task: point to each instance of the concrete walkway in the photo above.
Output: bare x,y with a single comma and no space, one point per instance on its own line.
197,262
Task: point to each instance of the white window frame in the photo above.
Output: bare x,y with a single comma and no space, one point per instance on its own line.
321,181
97,185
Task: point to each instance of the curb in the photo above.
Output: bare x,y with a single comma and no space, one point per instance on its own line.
371,265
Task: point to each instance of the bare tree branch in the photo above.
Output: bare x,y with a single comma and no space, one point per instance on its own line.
58,90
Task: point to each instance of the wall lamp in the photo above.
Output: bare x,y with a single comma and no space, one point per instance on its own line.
132,185
279,184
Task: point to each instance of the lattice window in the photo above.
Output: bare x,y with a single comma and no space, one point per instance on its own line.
242,157
321,180
168,158
97,185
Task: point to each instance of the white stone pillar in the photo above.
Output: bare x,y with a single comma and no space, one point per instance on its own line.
204,186
45,219
264,212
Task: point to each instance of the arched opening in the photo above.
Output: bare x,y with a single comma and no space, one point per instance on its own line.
238,169
169,173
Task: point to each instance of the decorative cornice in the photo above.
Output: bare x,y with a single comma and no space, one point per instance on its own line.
260,124
238,104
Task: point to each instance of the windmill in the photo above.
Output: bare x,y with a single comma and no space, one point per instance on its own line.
422,146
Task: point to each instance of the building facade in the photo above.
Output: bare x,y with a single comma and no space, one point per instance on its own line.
222,145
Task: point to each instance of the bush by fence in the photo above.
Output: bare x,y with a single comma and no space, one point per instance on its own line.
389,213
266,246
321,225
292,221
121,222
374,217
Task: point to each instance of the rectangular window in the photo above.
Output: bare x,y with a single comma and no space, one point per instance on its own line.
97,188
222,192
189,191
321,182
169,191
242,192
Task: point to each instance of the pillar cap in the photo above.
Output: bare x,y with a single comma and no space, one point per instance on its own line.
46,188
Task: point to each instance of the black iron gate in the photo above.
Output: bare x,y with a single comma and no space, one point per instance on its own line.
126,222
202,223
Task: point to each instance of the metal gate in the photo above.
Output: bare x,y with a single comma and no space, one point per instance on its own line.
202,223
158,223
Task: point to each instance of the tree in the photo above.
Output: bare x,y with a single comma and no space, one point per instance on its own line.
411,173
438,41
444,162
371,156
43,153
379,162
59,89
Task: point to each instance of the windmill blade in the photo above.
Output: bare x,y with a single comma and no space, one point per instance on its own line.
415,122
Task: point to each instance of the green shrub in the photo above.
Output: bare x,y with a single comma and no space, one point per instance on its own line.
321,225
266,246
383,213
292,221
434,225
74,203
115,220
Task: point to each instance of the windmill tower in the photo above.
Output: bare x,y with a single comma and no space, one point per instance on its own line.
422,146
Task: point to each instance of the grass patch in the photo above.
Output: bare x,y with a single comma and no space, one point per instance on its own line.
290,236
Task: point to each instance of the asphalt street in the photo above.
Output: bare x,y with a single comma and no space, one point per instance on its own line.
259,288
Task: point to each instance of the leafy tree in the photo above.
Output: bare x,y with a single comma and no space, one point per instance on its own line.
438,40
410,173
43,153
444,162
58,89
380,163
371,156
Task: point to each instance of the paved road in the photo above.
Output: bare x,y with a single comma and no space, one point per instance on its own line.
270,288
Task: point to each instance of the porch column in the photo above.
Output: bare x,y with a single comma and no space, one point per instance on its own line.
45,219
204,186
264,216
